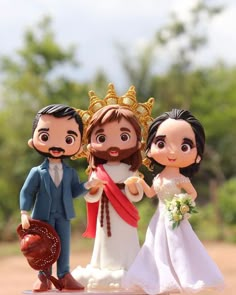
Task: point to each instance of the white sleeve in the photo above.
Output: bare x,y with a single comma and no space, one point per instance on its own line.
137,197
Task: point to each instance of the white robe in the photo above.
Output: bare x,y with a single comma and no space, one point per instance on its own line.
113,255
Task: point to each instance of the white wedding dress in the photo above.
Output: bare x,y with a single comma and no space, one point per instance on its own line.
172,260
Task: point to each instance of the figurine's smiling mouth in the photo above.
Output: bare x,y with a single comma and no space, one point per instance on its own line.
56,151
171,160
113,153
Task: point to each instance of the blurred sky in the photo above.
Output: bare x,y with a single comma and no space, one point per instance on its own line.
94,26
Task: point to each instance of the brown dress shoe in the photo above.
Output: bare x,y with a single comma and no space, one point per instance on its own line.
69,283
42,284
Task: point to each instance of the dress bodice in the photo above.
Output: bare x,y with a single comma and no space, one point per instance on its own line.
167,188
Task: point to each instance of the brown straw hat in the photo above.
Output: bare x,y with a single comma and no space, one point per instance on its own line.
40,244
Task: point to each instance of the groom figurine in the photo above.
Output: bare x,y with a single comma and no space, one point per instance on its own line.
50,188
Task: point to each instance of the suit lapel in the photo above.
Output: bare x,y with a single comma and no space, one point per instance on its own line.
46,176
64,178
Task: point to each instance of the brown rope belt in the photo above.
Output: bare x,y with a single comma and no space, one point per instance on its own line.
105,210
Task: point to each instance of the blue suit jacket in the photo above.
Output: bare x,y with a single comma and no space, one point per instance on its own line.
35,192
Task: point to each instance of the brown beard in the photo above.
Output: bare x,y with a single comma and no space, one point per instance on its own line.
122,154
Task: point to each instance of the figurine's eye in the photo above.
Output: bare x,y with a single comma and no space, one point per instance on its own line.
101,138
160,144
70,139
44,136
125,136
160,141
185,147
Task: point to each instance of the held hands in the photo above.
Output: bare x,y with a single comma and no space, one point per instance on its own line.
131,184
94,185
132,180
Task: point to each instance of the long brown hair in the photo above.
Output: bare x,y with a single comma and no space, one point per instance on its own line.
113,113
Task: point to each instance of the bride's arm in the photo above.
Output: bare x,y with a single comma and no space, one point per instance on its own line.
189,188
149,191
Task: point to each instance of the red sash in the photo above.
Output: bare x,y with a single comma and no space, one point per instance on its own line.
126,210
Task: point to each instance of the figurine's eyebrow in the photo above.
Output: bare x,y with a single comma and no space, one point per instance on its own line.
72,132
159,137
43,129
125,129
99,131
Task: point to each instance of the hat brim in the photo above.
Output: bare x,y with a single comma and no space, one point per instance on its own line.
48,249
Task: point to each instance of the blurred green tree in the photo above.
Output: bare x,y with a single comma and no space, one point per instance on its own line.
227,208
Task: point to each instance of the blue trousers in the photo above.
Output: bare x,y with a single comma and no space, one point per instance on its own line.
63,229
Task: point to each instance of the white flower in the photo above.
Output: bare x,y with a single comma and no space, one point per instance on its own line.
182,196
193,203
180,207
184,209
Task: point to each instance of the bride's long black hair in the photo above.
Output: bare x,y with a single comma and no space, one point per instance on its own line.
198,130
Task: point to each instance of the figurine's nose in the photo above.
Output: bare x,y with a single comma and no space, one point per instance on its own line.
172,149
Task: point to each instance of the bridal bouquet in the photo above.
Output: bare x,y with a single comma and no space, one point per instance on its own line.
181,206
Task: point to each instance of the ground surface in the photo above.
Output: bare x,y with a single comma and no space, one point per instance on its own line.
17,276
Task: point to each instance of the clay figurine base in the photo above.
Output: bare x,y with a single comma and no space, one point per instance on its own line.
90,292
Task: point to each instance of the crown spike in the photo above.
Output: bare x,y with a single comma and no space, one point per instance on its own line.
111,96
95,102
111,88
146,107
92,96
129,99
149,104
131,92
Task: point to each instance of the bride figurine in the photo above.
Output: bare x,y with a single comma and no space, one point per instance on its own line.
172,258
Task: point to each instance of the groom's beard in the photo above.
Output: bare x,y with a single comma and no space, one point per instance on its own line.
122,154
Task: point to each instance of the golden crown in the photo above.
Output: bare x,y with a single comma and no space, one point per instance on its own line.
142,111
